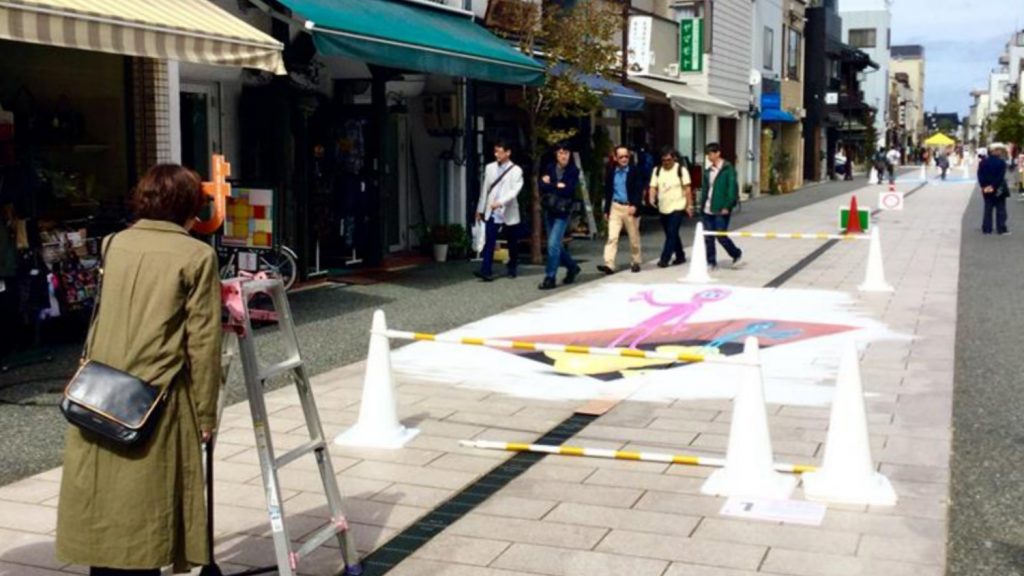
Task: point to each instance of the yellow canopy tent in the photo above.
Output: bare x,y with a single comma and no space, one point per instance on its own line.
939,139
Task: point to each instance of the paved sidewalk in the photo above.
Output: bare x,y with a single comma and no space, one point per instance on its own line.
582,516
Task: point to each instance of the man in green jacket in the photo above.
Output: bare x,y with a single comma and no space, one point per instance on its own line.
719,196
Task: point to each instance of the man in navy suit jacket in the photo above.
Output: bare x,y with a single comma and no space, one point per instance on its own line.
992,181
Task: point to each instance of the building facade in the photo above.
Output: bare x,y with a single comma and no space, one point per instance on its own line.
910,61
867,27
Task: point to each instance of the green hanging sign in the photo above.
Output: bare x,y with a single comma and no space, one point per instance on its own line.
691,45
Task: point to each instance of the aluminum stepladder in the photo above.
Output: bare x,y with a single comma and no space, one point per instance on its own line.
255,377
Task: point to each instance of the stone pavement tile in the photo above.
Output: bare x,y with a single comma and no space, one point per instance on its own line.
938,492
685,413
571,492
537,424
446,390
915,508
417,567
450,429
21,517
680,569
431,477
20,547
692,471
445,444
549,469
915,451
562,562
646,481
515,507
646,435
245,495
32,490
781,561
231,520
372,513
462,549
933,474
488,405
410,495
466,463
623,519
777,536
527,531
917,550
687,504
315,503
12,569
882,525
709,552
694,426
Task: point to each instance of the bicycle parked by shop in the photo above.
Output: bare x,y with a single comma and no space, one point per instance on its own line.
279,262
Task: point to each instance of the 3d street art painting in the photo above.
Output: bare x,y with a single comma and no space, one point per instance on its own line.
800,333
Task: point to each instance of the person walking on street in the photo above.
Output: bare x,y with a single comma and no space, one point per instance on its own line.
942,161
623,193
670,191
994,190
881,164
558,183
719,196
133,510
498,208
892,160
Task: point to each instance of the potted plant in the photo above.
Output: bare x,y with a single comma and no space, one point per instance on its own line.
458,241
439,238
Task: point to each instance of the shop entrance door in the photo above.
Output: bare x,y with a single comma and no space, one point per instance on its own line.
727,138
200,126
394,183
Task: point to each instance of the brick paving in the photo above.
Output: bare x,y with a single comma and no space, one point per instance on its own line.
574,516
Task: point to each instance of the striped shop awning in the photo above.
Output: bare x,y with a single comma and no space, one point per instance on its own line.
186,30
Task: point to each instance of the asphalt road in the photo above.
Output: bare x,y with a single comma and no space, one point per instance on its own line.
332,324
987,513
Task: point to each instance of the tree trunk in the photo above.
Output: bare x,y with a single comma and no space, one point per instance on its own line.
536,256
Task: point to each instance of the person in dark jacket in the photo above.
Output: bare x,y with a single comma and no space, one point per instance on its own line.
558,183
719,196
623,193
992,181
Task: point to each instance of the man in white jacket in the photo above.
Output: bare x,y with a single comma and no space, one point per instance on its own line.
499,209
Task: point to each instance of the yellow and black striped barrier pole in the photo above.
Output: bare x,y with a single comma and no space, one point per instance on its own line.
684,460
790,236
685,356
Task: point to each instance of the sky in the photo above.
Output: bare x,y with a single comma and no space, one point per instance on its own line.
962,40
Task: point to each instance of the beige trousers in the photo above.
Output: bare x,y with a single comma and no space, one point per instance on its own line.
618,219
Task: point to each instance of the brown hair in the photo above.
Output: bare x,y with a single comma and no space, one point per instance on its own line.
168,192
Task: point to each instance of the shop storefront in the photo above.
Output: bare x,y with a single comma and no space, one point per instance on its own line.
83,111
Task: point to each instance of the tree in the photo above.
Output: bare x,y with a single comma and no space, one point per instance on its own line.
1008,124
573,41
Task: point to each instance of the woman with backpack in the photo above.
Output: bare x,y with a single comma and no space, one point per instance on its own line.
671,192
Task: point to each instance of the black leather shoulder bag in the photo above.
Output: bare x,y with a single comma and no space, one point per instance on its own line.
108,402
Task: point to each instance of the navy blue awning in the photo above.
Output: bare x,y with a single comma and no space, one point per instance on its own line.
776,115
616,96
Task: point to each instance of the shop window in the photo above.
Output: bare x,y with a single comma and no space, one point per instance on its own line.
769,47
863,37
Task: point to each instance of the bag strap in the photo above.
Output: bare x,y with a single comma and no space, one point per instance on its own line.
500,177
96,304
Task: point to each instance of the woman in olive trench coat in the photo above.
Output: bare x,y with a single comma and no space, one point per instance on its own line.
142,508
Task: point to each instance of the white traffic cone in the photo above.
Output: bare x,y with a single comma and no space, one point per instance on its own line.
378,425
874,274
697,272
873,175
749,465
848,475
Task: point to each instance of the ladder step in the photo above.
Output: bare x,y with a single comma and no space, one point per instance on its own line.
298,452
322,535
280,368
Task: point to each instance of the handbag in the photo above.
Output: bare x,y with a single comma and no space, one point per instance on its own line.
108,402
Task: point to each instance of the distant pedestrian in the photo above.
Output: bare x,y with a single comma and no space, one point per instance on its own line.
892,161
498,208
623,193
558,183
880,163
670,191
994,190
134,510
719,196
942,161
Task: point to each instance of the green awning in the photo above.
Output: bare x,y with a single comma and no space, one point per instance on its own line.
414,37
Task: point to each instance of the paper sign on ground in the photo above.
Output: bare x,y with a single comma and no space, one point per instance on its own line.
789,511
890,200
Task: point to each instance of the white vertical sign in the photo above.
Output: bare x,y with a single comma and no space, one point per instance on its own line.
639,57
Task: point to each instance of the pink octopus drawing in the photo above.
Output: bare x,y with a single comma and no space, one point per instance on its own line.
676,313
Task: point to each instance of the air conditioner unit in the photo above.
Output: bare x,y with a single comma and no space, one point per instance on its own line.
672,70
